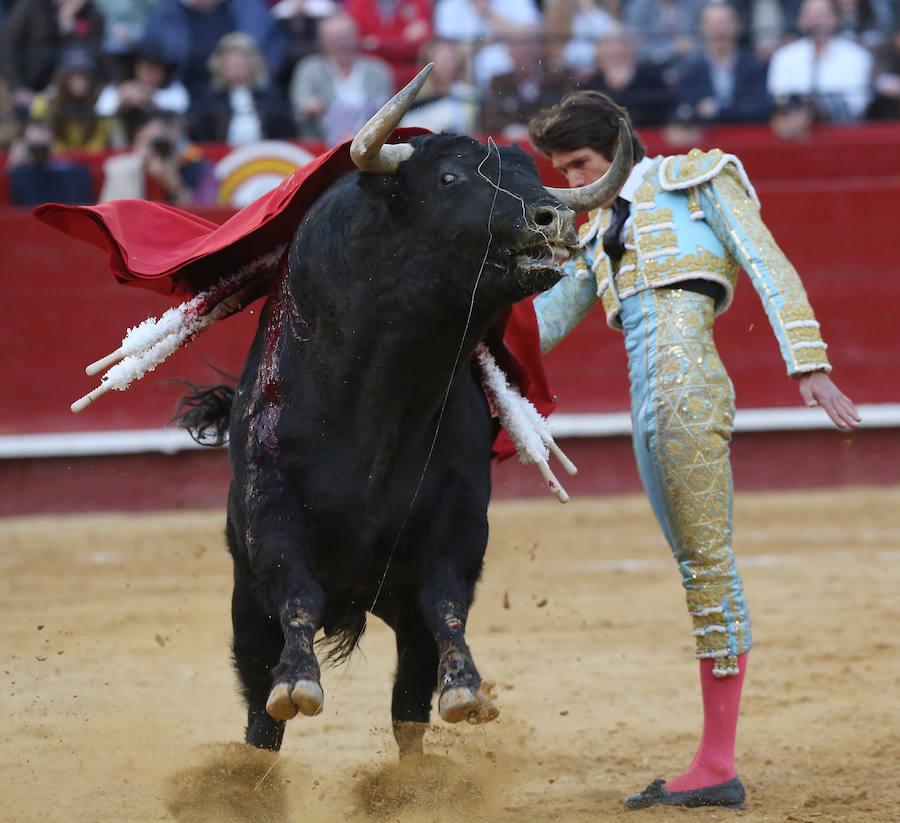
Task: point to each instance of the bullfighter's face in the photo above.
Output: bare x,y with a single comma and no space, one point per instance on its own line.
581,167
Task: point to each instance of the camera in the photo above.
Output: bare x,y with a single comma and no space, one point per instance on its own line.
162,147
38,152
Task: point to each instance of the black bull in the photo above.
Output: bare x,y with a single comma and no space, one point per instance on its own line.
360,437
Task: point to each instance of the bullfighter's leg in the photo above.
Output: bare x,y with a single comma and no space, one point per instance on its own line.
416,677
445,599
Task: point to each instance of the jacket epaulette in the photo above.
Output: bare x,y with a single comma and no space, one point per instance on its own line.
686,171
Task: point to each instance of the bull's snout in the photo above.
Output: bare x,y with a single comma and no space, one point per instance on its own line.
556,223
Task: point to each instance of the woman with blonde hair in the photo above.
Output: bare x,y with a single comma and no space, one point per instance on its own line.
241,104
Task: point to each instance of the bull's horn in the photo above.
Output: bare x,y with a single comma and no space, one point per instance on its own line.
586,198
368,150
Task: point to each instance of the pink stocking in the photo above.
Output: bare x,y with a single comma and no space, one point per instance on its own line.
714,761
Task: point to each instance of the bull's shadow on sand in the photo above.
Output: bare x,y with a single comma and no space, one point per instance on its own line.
238,783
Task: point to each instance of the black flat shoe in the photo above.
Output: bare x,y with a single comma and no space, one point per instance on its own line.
729,794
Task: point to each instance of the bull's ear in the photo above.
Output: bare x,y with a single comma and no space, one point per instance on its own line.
388,189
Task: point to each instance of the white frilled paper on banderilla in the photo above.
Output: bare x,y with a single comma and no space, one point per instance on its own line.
527,428
150,343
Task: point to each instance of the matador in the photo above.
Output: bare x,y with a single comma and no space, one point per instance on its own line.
662,260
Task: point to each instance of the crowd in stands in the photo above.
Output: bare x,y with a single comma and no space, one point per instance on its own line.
158,77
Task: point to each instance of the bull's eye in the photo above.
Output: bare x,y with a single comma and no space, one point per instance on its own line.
448,177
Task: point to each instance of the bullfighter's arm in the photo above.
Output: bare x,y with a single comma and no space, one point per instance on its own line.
561,308
734,217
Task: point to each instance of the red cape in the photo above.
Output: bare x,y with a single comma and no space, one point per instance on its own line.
173,252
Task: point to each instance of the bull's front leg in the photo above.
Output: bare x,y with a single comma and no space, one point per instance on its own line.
296,687
276,609
461,694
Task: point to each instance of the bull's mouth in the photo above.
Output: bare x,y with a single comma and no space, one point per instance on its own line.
542,256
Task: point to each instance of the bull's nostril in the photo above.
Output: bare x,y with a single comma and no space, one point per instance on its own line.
545,216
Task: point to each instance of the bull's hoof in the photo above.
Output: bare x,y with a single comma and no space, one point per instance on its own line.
408,735
285,700
463,703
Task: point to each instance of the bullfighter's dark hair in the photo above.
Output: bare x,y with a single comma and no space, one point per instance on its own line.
582,119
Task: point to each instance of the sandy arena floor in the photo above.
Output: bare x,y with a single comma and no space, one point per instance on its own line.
120,704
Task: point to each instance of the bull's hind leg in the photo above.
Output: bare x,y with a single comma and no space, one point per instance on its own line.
416,677
257,648
445,605
257,645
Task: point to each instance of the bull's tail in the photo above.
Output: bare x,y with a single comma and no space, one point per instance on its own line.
205,412
344,626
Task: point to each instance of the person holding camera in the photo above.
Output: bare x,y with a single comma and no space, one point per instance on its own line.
172,164
37,176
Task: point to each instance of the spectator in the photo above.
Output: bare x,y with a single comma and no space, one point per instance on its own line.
886,105
765,22
723,83
334,93
36,176
34,34
174,166
123,26
472,21
242,105
573,28
635,84
822,76
446,102
68,104
526,87
186,32
150,84
667,30
300,21
865,21
9,123
484,25
395,31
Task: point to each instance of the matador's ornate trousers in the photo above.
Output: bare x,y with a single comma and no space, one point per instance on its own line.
682,407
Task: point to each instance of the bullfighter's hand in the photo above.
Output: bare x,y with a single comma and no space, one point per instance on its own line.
818,389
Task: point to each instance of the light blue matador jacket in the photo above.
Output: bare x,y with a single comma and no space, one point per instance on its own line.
708,198
692,217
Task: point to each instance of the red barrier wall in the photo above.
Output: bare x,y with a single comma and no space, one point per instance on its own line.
832,205
199,479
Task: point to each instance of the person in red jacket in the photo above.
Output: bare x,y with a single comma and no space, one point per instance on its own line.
395,31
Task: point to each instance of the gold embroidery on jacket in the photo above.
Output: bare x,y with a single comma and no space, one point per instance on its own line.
785,281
